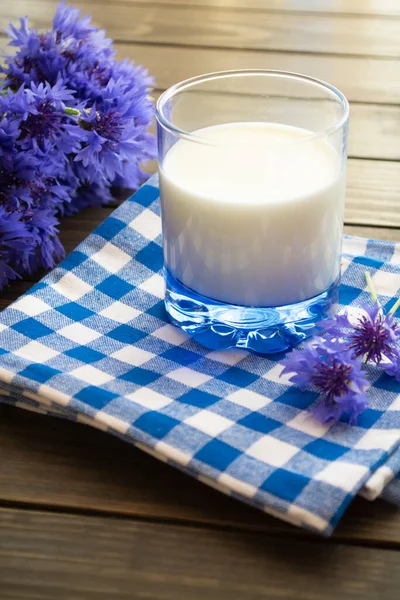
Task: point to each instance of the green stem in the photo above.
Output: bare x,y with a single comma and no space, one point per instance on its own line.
371,288
72,111
394,307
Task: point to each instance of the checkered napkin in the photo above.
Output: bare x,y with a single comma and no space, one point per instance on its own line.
91,342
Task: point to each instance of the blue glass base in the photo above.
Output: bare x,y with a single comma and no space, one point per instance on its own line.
266,330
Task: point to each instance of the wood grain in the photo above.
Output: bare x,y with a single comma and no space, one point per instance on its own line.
205,26
13,291
373,198
360,79
388,8
368,202
51,463
116,522
374,131
47,556
376,233
373,193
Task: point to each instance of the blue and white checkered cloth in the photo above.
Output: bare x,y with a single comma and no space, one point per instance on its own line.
91,342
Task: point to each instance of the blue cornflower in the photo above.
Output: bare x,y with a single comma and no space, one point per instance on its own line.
68,22
48,251
17,173
392,367
126,70
113,137
36,58
13,107
73,49
58,94
9,133
15,238
328,368
373,336
47,126
49,191
91,192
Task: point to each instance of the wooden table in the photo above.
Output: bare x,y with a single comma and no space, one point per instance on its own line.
85,516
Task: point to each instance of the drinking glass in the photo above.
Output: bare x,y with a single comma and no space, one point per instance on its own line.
252,183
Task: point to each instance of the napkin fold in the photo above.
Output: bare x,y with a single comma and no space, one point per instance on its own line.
91,342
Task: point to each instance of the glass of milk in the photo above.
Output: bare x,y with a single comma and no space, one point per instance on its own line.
252,182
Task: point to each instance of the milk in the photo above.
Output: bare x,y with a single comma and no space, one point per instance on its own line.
253,213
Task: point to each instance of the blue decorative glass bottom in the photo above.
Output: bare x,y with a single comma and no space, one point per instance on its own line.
266,330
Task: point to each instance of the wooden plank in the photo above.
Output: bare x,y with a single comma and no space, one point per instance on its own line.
13,291
374,131
375,233
54,463
377,8
47,556
373,198
373,193
356,7
360,79
205,26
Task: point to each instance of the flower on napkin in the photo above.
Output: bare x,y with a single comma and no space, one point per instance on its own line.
332,365
333,370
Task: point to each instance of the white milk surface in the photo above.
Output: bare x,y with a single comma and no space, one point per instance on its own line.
253,217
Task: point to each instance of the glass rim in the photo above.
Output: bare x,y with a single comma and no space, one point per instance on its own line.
192,81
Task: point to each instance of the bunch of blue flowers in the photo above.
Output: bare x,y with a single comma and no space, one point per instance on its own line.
73,124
